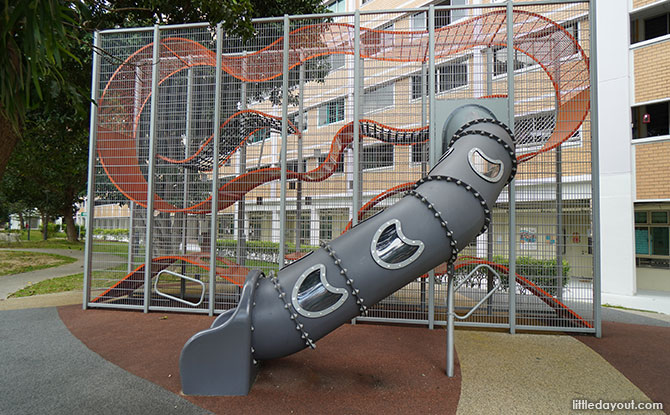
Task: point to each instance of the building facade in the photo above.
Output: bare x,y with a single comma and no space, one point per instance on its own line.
634,94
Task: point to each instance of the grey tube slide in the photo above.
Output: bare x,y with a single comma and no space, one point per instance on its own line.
283,314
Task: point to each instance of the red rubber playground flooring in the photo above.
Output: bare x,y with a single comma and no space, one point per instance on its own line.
357,369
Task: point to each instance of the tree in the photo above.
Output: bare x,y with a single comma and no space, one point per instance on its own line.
34,40
45,78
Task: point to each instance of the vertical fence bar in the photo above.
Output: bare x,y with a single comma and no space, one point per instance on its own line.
148,241
301,169
357,189
357,186
559,223
595,169
131,236
90,201
187,146
284,139
512,184
450,321
215,170
433,155
242,168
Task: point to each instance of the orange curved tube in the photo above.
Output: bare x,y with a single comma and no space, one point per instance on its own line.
120,108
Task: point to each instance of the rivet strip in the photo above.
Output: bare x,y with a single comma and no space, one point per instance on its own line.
355,292
289,307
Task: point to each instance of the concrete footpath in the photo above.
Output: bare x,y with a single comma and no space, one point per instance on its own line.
11,283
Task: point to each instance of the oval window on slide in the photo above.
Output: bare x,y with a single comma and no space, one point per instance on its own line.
391,249
313,296
486,167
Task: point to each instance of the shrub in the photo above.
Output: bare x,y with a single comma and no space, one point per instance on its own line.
541,272
52,229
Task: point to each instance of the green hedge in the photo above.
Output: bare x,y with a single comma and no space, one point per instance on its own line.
110,232
541,272
263,245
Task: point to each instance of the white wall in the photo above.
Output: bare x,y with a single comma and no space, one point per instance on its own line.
616,166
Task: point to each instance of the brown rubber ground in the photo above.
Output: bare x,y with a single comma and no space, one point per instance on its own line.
357,369
640,353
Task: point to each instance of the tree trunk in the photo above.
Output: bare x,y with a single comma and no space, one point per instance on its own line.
8,139
22,221
45,226
70,228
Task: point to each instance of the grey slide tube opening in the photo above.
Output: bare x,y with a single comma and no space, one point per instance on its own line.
437,218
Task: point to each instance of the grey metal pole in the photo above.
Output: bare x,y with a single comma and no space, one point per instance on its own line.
90,191
213,230
512,184
424,170
242,168
358,88
301,169
489,231
187,147
284,139
433,155
595,170
131,236
357,186
450,322
148,241
559,223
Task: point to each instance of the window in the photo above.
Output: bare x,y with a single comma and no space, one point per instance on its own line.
451,75
377,156
337,61
296,121
418,21
377,98
259,135
292,165
331,112
521,60
534,130
227,225
326,226
443,18
446,17
541,43
339,167
292,226
338,6
448,76
652,23
420,153
651,120
652,239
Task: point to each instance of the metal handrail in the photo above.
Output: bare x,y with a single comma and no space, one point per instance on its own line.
486,297
172,297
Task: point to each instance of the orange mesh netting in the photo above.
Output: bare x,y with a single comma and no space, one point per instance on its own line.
536,36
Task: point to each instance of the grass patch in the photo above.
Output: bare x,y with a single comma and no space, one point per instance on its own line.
53,285
54,243
16,262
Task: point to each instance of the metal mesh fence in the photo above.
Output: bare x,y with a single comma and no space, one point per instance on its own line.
290,174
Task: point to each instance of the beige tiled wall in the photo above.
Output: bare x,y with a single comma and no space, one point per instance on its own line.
652,167
652,72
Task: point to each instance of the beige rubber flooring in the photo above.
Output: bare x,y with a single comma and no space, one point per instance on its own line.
535,374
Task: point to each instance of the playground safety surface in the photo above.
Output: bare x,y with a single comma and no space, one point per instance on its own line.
361,369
